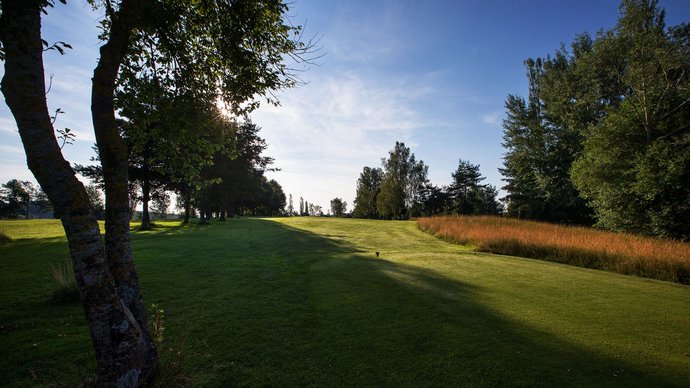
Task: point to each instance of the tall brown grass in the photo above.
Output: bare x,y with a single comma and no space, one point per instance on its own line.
585,247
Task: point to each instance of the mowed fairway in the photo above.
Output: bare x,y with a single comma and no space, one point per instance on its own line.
304,301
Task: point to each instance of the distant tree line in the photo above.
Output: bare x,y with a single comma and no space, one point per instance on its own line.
603,135
400,189
24,200
227,178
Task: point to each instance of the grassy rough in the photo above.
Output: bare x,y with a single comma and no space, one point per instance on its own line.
585,247
304,301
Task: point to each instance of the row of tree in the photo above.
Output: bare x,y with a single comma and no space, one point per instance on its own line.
306,208
603,134
400,189
23,199
225,176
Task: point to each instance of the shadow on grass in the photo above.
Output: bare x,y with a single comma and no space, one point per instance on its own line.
268,304
283,306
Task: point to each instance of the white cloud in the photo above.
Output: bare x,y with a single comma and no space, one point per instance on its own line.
11,150
7,124
492,118
324,133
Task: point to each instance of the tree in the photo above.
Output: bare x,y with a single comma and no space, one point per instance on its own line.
635,167
466,188
435,200
338,207
42,203
96,201
368,188
17,196
542,136
241,53
402,185
301,206
468,195
237,170
161,204
290,209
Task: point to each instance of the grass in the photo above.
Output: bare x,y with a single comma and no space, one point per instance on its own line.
304,301
64,285
584,247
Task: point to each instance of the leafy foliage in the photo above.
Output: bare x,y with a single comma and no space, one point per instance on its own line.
542,138
635,165
603,134
338,207
402,184
237,175
368,188
468,195
402,190
15,198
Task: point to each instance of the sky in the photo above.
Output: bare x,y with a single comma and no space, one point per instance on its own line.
432,74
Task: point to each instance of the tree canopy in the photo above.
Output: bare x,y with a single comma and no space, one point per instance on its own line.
401,190
603,134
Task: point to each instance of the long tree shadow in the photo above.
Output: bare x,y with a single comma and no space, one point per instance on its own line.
281,306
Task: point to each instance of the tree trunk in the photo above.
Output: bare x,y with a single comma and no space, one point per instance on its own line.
203,211
146,197
124,352
187,204
146,182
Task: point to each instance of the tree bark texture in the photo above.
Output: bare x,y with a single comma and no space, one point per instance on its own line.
114,159
124,352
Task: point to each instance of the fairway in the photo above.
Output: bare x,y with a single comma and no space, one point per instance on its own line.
304,301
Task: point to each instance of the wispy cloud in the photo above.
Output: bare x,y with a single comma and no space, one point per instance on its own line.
7,124
11,150
367,36
492,118
327,131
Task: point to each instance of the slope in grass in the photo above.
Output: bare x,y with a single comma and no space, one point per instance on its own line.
304,301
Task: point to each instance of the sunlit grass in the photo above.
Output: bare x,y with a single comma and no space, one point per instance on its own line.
586,247
304,301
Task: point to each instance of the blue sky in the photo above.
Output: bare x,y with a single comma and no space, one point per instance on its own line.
433,74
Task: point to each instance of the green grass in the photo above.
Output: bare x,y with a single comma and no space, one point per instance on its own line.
304,301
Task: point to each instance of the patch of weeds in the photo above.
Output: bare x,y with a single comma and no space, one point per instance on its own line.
64,286
179,364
